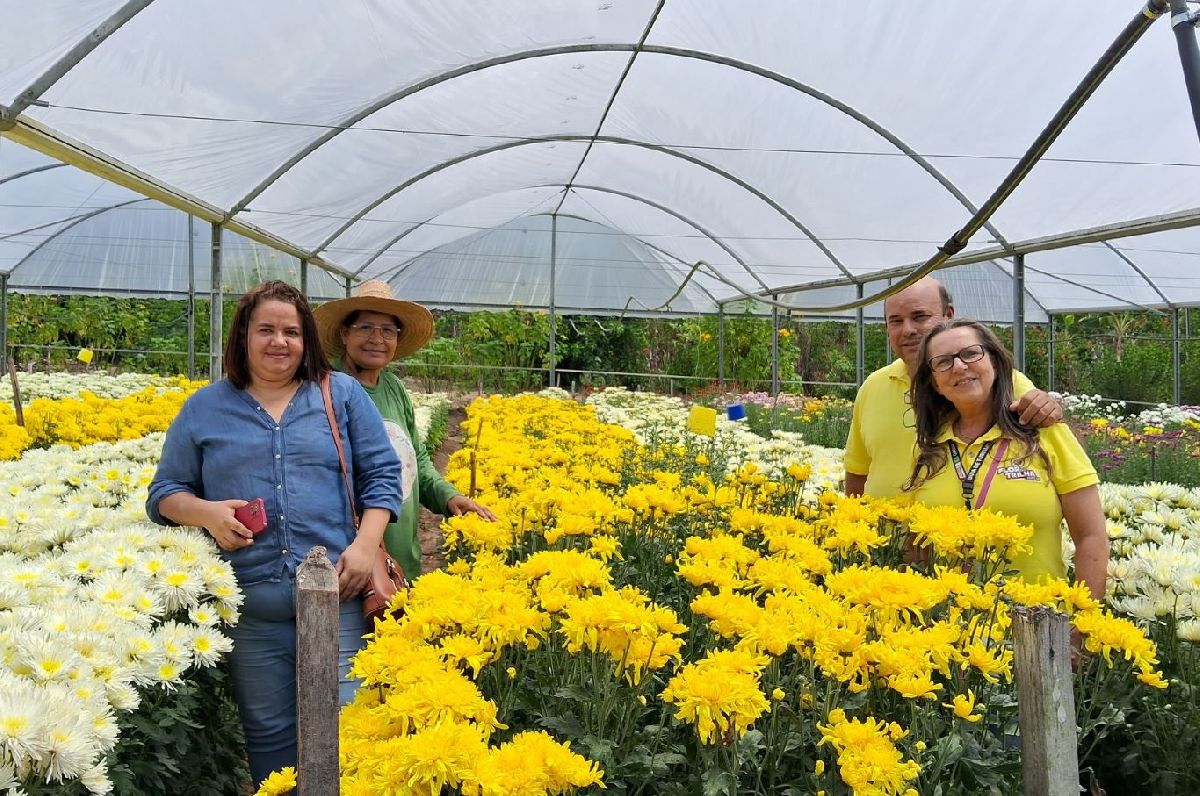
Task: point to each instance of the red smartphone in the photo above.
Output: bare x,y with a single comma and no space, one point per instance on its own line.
253,515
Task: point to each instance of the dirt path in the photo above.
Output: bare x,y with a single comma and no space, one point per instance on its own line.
428,532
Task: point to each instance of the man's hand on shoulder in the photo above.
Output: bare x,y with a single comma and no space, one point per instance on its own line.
1037,409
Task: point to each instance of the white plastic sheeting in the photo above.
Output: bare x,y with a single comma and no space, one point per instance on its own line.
781,142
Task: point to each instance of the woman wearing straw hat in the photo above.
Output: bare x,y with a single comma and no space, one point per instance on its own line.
364,334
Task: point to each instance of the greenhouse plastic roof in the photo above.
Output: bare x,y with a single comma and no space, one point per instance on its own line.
791,148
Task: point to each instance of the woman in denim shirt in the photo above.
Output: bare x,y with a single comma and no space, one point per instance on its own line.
263,432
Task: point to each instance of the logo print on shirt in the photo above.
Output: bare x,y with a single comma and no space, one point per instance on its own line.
1019,472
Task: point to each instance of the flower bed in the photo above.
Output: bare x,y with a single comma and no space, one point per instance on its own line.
87,418
688,623
101,613
101,385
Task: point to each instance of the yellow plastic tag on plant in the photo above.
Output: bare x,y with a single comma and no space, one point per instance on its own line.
84,356
702,420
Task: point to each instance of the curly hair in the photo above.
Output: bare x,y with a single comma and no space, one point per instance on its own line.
933,410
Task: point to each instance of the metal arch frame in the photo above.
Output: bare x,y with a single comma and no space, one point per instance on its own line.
403,266
1137,270
687,274
36,169
418,225
69,60
400,268
599,189
74,222
612,98
799,225
1125,229
669,257
679,52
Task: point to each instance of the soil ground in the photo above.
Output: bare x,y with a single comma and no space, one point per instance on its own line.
432,555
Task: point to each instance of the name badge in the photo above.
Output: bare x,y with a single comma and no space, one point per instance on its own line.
1019,472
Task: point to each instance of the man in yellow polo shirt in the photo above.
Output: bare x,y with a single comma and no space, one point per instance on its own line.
881,446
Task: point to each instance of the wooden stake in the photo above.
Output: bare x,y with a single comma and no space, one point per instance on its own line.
12,375
317,676
1045,702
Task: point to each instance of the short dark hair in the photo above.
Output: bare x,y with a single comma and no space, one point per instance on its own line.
944,295
933,410
313,364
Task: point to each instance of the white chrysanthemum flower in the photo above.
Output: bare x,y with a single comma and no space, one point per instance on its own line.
1189,630
1139,607
122,695
23,714
70,747
175,641
204,615
8,778
209,645
96,780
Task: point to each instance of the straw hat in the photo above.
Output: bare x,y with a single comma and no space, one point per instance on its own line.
416,322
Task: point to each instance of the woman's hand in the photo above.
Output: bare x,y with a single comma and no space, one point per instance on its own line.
214,516
354,568
461,504
229,534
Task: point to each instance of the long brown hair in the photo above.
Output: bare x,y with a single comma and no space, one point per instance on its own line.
313,364
933,410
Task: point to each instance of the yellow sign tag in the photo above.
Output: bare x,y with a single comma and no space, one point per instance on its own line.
702,420
84,356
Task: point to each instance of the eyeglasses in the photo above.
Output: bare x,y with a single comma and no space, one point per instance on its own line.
972,353
369,329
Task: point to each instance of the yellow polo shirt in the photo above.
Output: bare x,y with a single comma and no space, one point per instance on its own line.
1025,490
883,432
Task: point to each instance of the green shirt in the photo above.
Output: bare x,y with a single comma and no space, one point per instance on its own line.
421,483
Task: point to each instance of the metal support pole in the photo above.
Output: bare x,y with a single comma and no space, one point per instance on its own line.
1177,383
191,297
304,277
860,341
349,287
887,342
1019,311
3,324
553,270
216,308
775,346
1189,54
1050,355
721,345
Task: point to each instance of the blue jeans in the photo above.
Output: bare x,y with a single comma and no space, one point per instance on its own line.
263,669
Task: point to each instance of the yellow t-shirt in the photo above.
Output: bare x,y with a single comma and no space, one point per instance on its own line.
1023,490
883,432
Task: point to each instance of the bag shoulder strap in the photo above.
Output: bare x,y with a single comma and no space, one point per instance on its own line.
327,395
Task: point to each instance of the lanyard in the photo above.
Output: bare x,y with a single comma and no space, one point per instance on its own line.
967,477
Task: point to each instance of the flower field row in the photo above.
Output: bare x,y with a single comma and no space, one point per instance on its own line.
86,419
101,385
656,419
98,608
690,623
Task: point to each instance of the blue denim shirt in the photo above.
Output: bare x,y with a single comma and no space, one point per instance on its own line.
223,445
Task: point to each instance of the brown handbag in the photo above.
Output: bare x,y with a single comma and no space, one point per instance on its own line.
387,577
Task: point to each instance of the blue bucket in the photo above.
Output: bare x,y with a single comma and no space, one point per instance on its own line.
736,412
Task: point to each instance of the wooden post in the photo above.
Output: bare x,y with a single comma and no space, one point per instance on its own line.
317,675
1045,702
16,389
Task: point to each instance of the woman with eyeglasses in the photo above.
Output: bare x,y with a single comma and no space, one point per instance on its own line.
364,334
971,451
